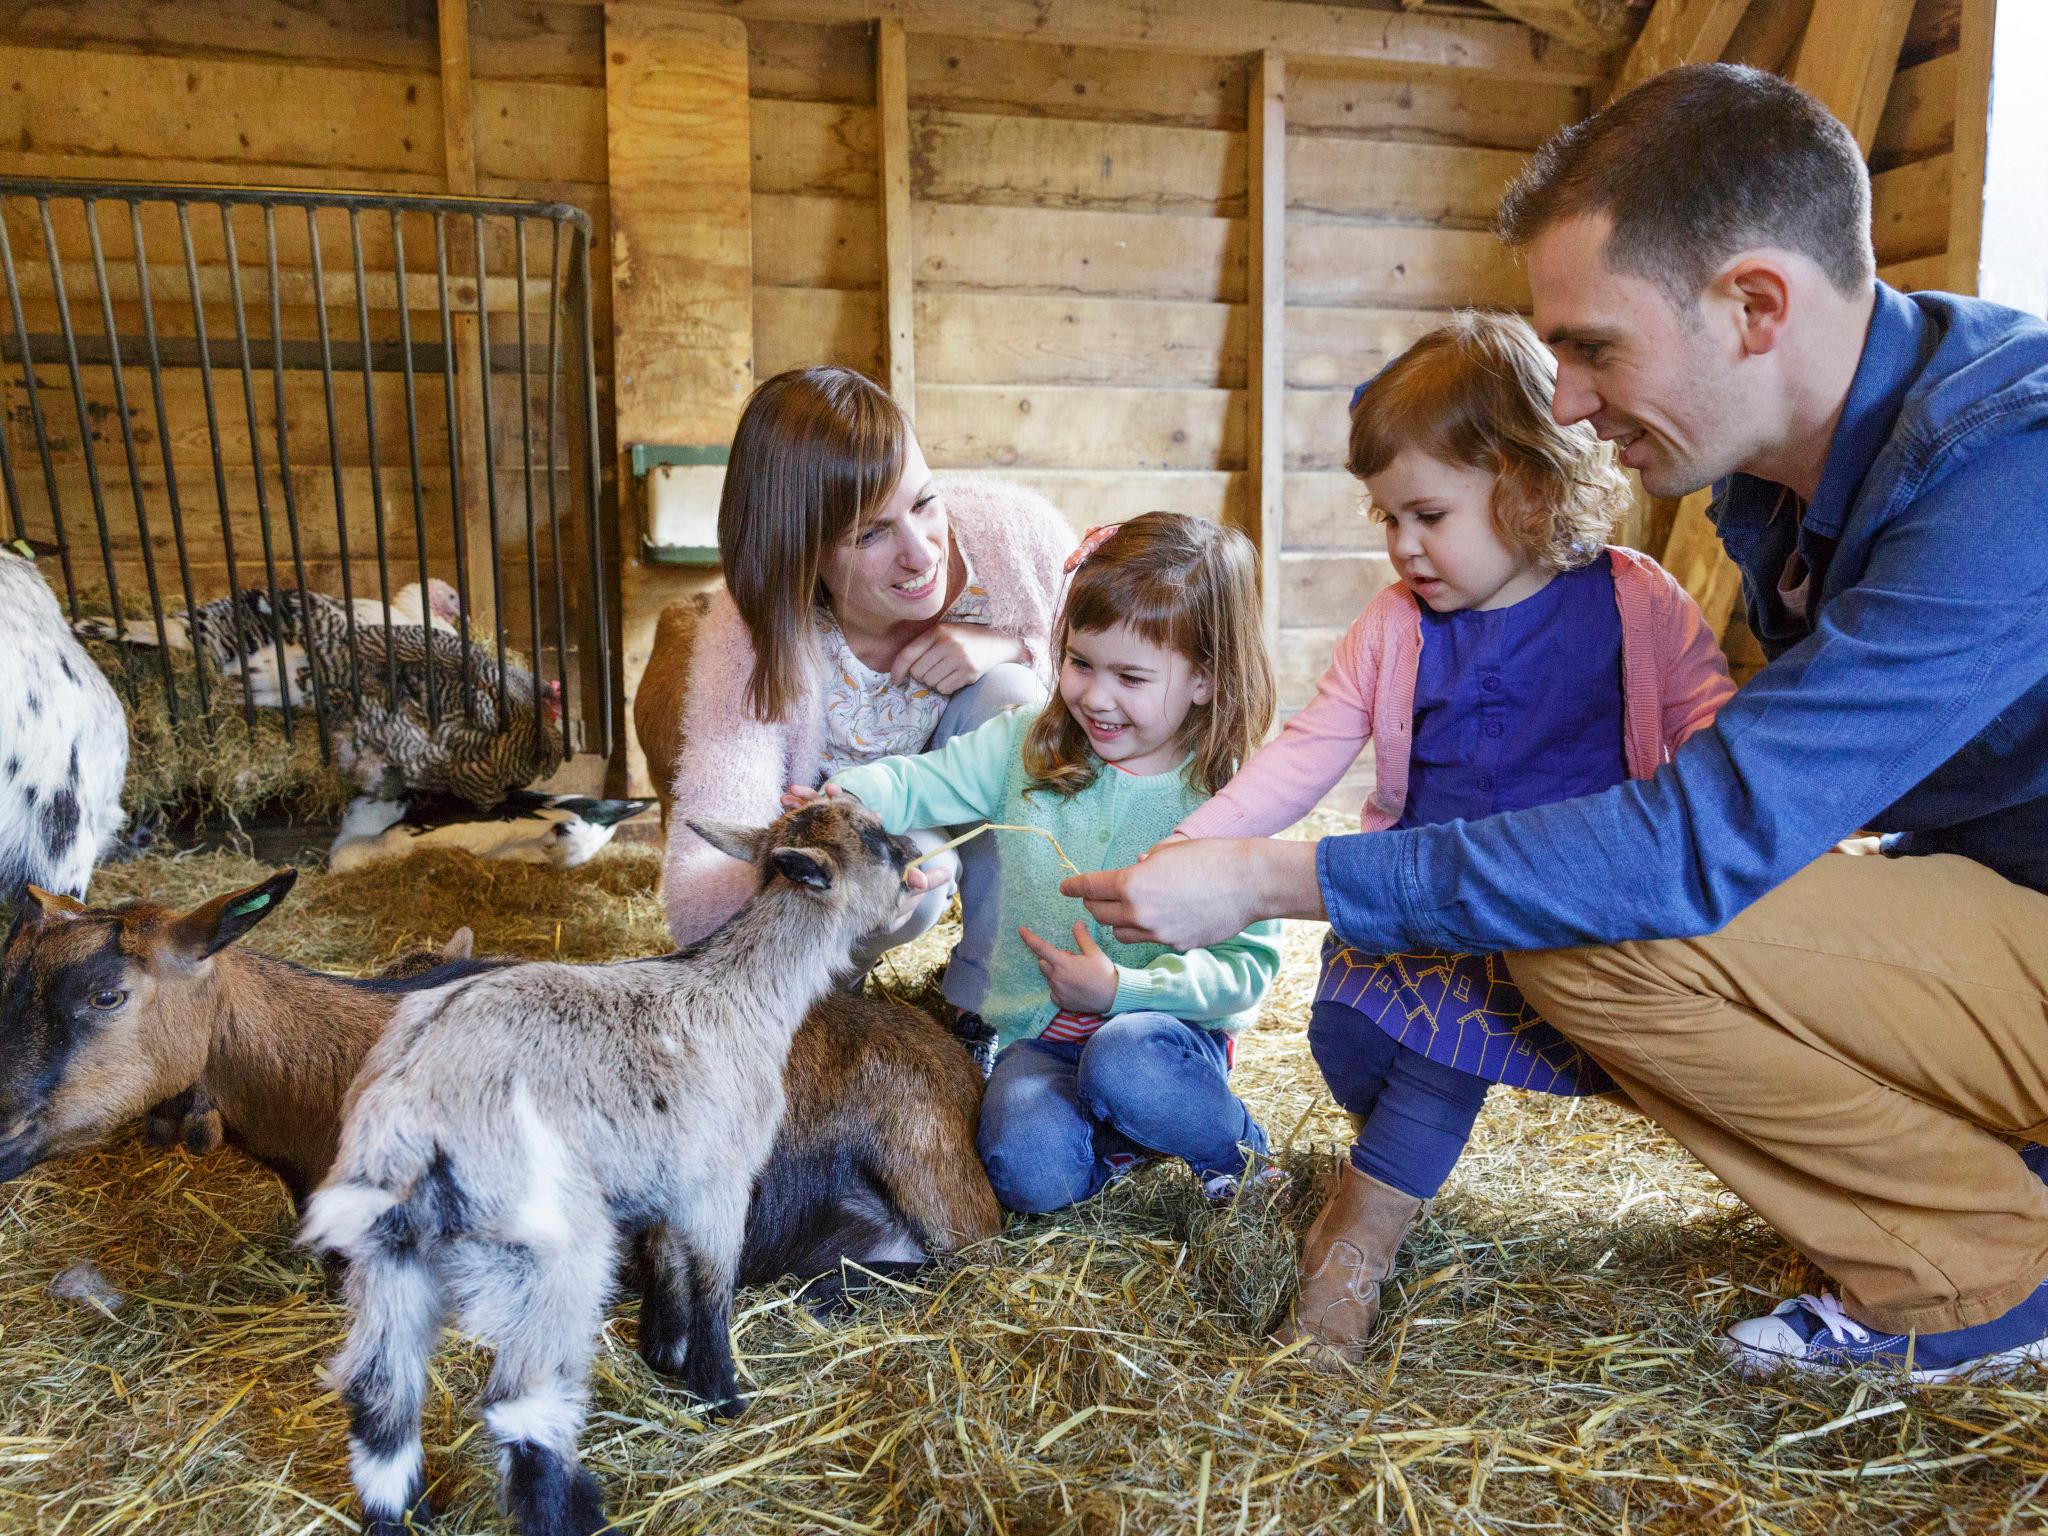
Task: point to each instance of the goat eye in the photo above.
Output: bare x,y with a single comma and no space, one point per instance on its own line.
106,1000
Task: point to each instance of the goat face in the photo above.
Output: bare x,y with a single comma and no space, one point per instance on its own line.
100,1013
832,851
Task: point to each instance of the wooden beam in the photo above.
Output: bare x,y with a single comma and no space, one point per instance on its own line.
1603,26
1456,44
458,103
1848,57
1266,441
477,573
681,200
899,261
1679,32
1972,60
2012,266
1768,35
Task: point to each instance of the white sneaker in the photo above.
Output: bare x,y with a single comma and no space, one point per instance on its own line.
1813,1333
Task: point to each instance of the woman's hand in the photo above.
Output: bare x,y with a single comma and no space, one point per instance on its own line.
949,657
1084,982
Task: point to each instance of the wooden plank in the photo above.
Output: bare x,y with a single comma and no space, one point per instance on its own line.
1481,45
1326,510
1695,556
814,148
337,288
801,62
892,106
1769,34
817,242
1372,102
1019,79
1340,348
1328,590
229,111
986,426
540,131
804,327
1392,267
1847,58
1678,32
1092,496
966,157
1919,116
974,338
1404,183
1970,129
525,40
1920,272
1318,428
1910,208
1266,281
477,573
1045,250
1936,28
678,129
1599,26
356,32
458,109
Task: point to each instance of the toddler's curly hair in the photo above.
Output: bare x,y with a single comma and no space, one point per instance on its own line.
1476,392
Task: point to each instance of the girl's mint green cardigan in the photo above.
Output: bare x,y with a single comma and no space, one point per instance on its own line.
980,777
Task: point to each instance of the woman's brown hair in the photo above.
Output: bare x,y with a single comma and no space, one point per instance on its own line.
1190,586
1477,392
817,451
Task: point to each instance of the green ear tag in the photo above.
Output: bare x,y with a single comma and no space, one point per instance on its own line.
23,548
250,904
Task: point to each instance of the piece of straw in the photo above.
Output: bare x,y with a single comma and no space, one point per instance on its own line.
998,826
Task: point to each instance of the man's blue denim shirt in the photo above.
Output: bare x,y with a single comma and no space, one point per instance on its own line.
1916,704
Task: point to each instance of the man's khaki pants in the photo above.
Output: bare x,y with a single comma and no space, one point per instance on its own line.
1851,1056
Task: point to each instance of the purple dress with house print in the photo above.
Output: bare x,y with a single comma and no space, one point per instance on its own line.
1514,707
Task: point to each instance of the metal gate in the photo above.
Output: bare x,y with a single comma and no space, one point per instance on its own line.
444,359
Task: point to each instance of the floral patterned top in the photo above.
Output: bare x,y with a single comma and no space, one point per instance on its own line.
868,715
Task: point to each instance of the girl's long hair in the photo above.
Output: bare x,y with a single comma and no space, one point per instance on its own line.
1193,587
817,451
1476,391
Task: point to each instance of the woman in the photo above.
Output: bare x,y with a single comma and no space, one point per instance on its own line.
867,611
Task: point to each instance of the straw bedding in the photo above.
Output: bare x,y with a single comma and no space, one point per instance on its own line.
1547,1364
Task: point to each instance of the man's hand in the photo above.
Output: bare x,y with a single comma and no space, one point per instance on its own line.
1187,894
948,657
1084,982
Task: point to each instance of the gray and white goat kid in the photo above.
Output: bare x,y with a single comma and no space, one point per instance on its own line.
63,741
511,1133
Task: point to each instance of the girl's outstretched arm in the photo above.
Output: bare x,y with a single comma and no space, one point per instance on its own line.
964,780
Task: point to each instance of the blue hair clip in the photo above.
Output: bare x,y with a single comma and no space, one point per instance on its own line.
1358,394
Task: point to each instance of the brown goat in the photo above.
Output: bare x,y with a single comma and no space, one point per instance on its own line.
111,1013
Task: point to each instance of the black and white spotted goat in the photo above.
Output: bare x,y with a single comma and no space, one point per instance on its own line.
511,1133
63,742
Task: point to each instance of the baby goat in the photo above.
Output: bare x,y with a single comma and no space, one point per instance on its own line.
511,1131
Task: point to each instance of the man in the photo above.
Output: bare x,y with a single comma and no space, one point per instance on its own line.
1859,1043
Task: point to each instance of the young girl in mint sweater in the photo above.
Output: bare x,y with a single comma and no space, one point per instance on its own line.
1110,1052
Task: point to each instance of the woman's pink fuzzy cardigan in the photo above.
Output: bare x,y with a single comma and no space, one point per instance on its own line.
734,767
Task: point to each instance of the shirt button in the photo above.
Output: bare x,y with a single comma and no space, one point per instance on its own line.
1492,728
1486,782
1490,683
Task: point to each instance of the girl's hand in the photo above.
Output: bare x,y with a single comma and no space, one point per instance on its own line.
797,796
949,657
1084,982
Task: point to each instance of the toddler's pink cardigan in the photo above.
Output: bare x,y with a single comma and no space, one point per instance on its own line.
1674,681
734,767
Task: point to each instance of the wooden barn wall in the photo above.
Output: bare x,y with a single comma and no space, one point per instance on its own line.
346,95
1912,161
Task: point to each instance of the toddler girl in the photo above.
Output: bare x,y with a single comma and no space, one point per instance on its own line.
1110,1052
1517,660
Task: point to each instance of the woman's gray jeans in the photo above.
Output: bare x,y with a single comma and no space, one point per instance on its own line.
973,869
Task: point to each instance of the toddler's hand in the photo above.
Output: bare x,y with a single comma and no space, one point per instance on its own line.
1084,982
797,796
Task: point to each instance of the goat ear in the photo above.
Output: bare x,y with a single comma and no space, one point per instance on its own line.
209,928
460,946
729,838
804,866
42,904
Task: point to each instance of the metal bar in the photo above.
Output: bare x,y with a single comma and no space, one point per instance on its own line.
554,517
92,468
156,596
183,352
532,546
307,639
483,347
35,416
454,467
227,224
348,588
355,248
285,197
594,483
163,440
412,449
220,475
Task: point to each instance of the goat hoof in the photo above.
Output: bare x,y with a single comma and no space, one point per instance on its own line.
669,1359
419,1518
726,1405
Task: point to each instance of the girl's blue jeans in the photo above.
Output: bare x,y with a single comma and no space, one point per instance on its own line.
1418,1113
1055,1112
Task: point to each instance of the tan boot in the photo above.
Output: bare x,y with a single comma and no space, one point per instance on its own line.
1347,1253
